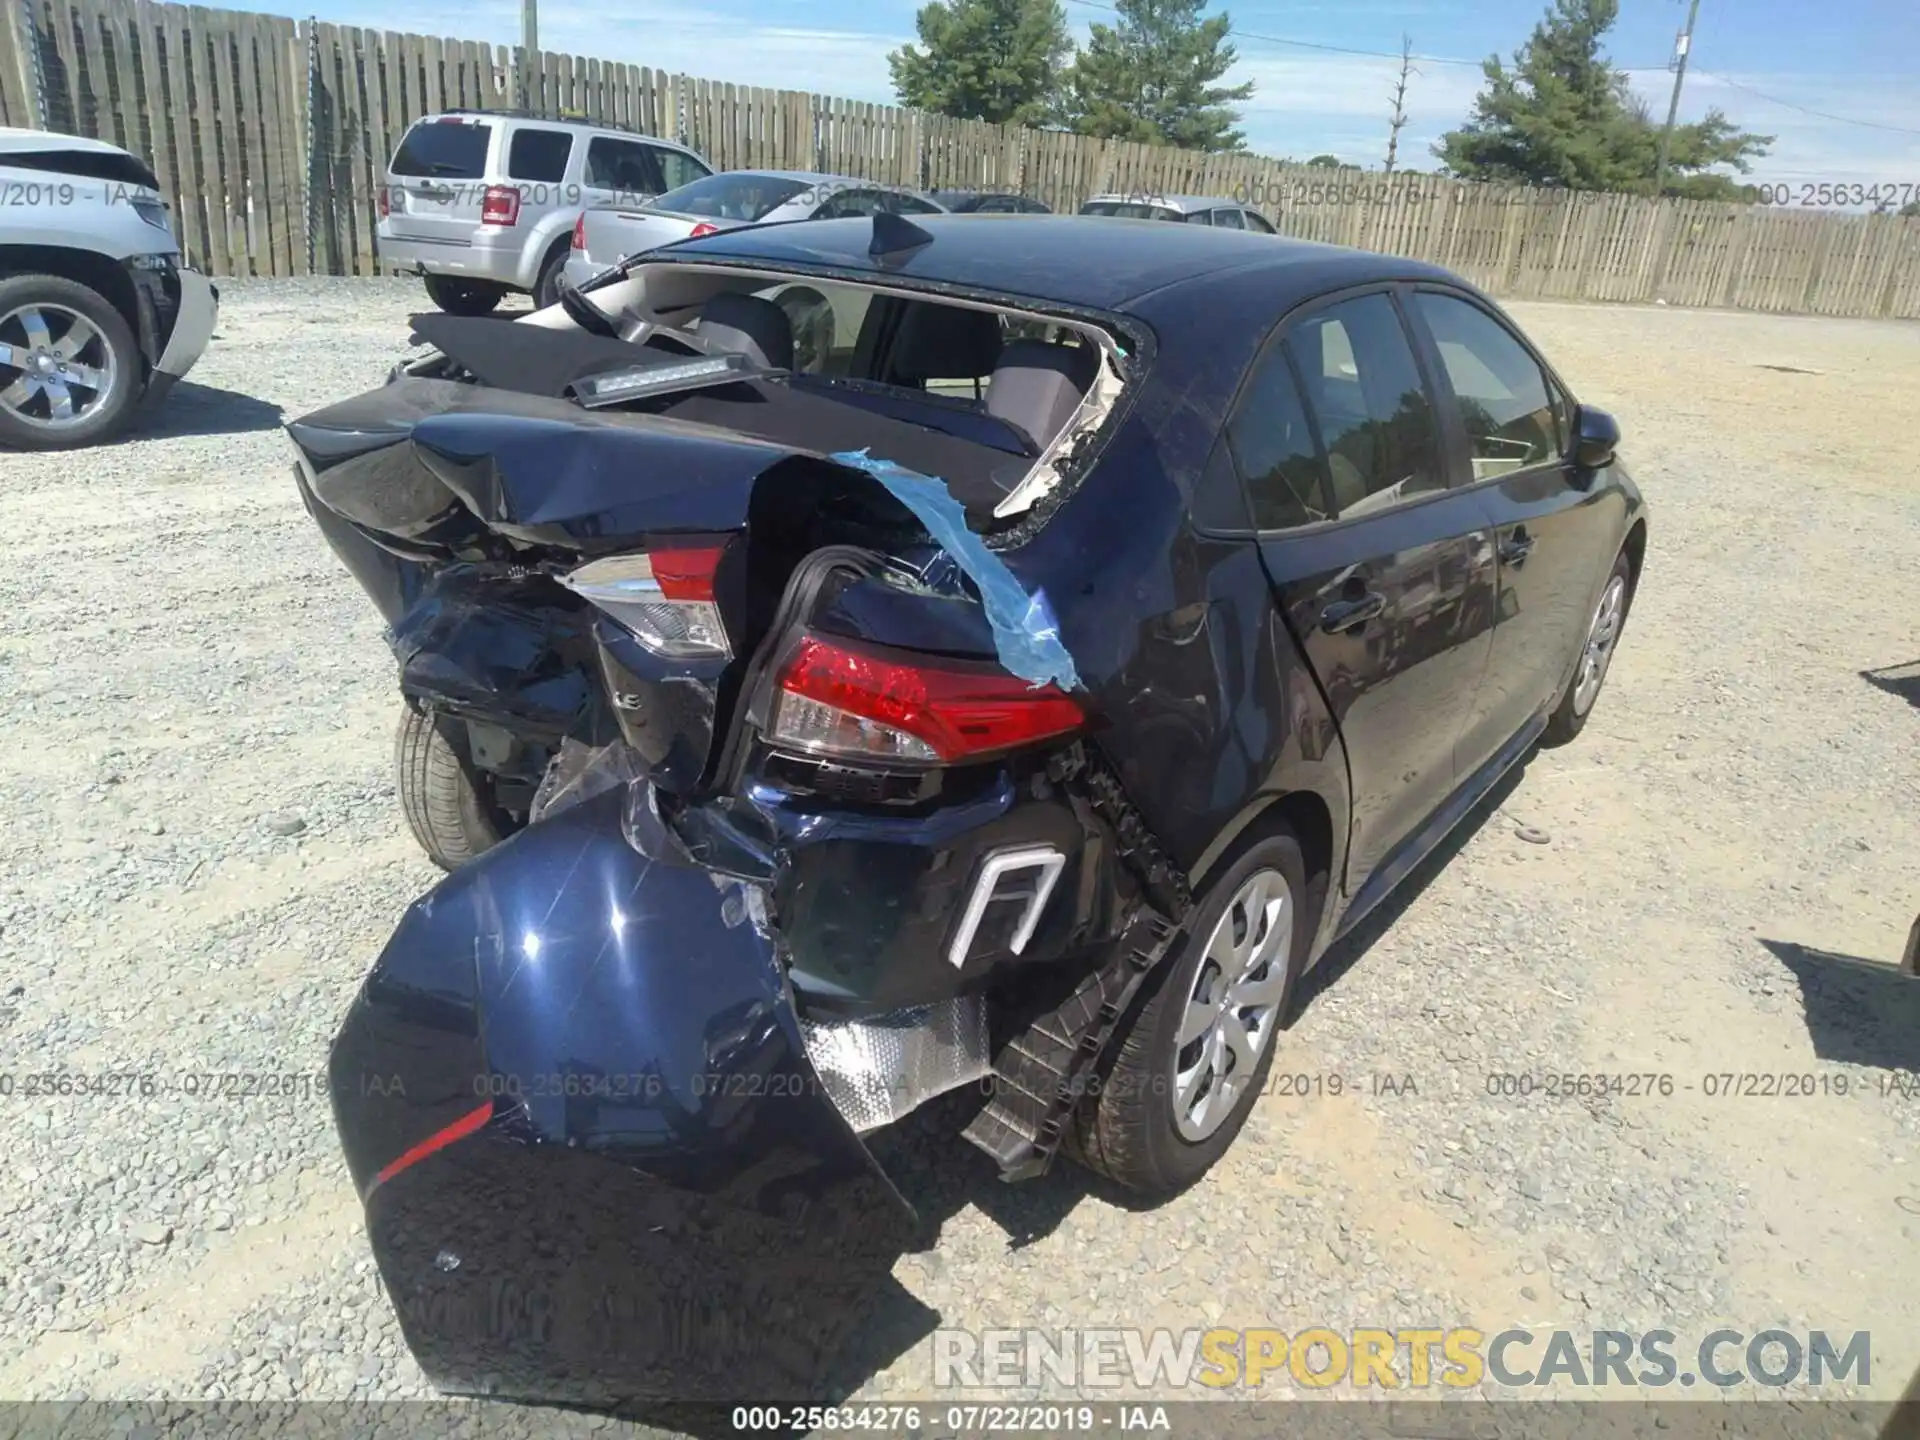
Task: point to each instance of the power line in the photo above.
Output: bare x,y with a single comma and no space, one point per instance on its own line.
1808,109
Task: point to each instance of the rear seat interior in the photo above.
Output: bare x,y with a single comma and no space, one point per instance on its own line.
1034,386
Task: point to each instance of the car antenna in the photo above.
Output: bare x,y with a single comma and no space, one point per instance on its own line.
895,235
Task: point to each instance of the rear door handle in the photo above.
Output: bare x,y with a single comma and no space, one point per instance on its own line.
1344,615
1517,546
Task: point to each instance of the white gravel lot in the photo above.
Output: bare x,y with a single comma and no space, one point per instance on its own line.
200,853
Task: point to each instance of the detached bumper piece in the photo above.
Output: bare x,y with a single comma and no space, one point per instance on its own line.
1041,1073
597,1164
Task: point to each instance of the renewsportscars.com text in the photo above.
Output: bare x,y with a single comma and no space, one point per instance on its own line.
1402,1357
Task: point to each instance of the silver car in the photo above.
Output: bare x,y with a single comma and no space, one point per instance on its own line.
1217,210
483,202
607,234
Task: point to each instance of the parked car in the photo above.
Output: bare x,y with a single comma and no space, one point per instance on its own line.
482,203
1214,210
988,202
98,312
609,233
901,740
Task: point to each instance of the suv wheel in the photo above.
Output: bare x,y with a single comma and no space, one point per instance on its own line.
465,297
546,289
1194,1056
70,369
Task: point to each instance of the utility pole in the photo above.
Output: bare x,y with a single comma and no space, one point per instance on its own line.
1683,49
1400,100
529,50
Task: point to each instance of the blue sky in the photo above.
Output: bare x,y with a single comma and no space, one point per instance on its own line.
1854,59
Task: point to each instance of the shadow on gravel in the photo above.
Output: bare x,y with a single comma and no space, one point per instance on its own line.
190,409
1900,680
1345,952
1859,1012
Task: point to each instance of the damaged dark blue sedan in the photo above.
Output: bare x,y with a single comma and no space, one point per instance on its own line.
1019,685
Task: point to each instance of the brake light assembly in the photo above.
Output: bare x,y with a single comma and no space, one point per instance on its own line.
703,228
500,205
838,698
664,598
580,232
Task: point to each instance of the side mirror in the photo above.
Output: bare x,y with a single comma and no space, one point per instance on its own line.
1596,435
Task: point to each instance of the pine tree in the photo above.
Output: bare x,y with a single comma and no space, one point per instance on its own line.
995,60
1150,78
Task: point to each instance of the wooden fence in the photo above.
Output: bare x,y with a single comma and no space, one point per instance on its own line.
271,139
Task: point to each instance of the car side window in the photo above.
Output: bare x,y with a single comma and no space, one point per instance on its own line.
849,202
1504,400
1274,449
1228,220
1257,221
539,155
901,203
677,168
623,165
1200,217
1363,386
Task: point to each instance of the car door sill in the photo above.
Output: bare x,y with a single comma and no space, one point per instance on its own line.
1417,846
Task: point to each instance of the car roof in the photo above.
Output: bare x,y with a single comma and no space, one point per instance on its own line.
555,122
1079,261
1185,204
16,141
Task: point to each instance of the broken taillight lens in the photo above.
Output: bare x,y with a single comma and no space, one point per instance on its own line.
842,700
663,598
500,205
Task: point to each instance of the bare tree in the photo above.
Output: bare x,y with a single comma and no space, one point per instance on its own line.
1400,100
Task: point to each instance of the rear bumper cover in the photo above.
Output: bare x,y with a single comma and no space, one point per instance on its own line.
597,1164
474,258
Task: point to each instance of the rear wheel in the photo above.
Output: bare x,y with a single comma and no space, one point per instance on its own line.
1569,718
546,290
1192,1058
448,803
465,297
70,369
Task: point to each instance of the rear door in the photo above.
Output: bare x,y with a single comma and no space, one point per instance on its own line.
1553,527
438,178
620,172
1383,570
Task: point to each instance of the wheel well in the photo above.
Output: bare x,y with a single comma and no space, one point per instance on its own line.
1636,552
1306,816
83,267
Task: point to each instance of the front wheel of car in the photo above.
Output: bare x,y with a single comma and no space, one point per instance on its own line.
1193,1056
1609,617
449,803
465,297
70,368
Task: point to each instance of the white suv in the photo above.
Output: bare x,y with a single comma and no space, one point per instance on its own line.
481,202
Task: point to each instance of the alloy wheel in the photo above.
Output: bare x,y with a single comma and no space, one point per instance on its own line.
1601,636
1233,1006
56,367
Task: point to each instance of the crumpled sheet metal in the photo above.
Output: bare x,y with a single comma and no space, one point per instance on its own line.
877,1070
1025,633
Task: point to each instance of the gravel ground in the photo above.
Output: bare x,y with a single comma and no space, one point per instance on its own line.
202,852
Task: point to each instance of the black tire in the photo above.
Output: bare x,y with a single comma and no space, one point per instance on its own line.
546,290
465,297
1128,1130
448,804
26,424
1569,717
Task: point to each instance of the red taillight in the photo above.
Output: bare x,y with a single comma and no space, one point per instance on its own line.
473,1120
883,706
703,228
580,232
500,205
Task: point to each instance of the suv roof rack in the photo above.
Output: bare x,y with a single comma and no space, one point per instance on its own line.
554,118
